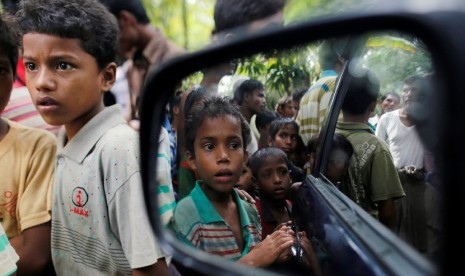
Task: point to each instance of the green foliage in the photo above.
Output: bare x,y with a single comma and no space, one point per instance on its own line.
188,23
395,58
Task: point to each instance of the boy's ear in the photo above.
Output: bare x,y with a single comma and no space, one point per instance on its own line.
246,158
191,160
269,141
108,76
126,18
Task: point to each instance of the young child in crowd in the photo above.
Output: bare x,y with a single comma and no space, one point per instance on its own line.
263,123
284,134
271,172
69,49
27,161
246,181
339,157
212,217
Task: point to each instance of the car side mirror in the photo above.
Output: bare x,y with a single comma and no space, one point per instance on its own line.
393,46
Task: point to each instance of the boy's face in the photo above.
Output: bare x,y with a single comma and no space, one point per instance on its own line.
64,81
219,153
286,139
289,110
256,101
274,178
6,79
337,165
389,104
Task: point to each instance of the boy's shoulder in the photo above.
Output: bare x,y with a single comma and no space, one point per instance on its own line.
31,137
186,214
186,208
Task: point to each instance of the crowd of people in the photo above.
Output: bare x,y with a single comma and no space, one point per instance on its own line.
71,200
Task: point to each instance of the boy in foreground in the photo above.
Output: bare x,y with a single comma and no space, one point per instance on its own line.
99,222
212,217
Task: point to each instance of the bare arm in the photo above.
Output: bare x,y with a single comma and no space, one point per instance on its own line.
33,249
387,213
158,268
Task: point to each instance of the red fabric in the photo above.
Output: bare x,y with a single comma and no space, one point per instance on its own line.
20,74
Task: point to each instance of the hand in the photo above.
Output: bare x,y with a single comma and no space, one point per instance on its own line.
275,247
245,196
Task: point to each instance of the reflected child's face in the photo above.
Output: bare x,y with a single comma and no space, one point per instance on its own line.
6,79
245,182
274,178
286,139
337,165
219,153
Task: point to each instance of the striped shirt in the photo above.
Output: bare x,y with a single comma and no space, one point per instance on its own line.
314,104
197,223
164,191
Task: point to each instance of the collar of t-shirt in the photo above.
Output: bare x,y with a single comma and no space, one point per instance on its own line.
208,213
83,142
328,73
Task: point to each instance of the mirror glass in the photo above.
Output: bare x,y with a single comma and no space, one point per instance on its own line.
381,157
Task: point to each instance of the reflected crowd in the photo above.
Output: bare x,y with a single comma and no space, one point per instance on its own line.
233,152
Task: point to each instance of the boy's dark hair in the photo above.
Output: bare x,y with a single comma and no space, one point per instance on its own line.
363,89
394,94
264,118
279,123
135,7
86,20
9,40
10,6
230,14
257,159
298,94
213,107
330,53
246,87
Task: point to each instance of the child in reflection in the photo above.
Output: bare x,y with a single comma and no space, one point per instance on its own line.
284,134
212,217
339,157
246,181
272,174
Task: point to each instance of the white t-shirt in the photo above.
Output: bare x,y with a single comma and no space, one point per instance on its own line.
403,141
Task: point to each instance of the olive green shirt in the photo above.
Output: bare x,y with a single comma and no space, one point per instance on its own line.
373,176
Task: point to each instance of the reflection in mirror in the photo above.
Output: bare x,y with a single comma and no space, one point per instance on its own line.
246,143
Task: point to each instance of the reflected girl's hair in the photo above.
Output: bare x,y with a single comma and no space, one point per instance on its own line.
213,107
261,155
197,94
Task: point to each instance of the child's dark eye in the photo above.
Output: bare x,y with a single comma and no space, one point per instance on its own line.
208,147
283,172
235,145
30,66
64,66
